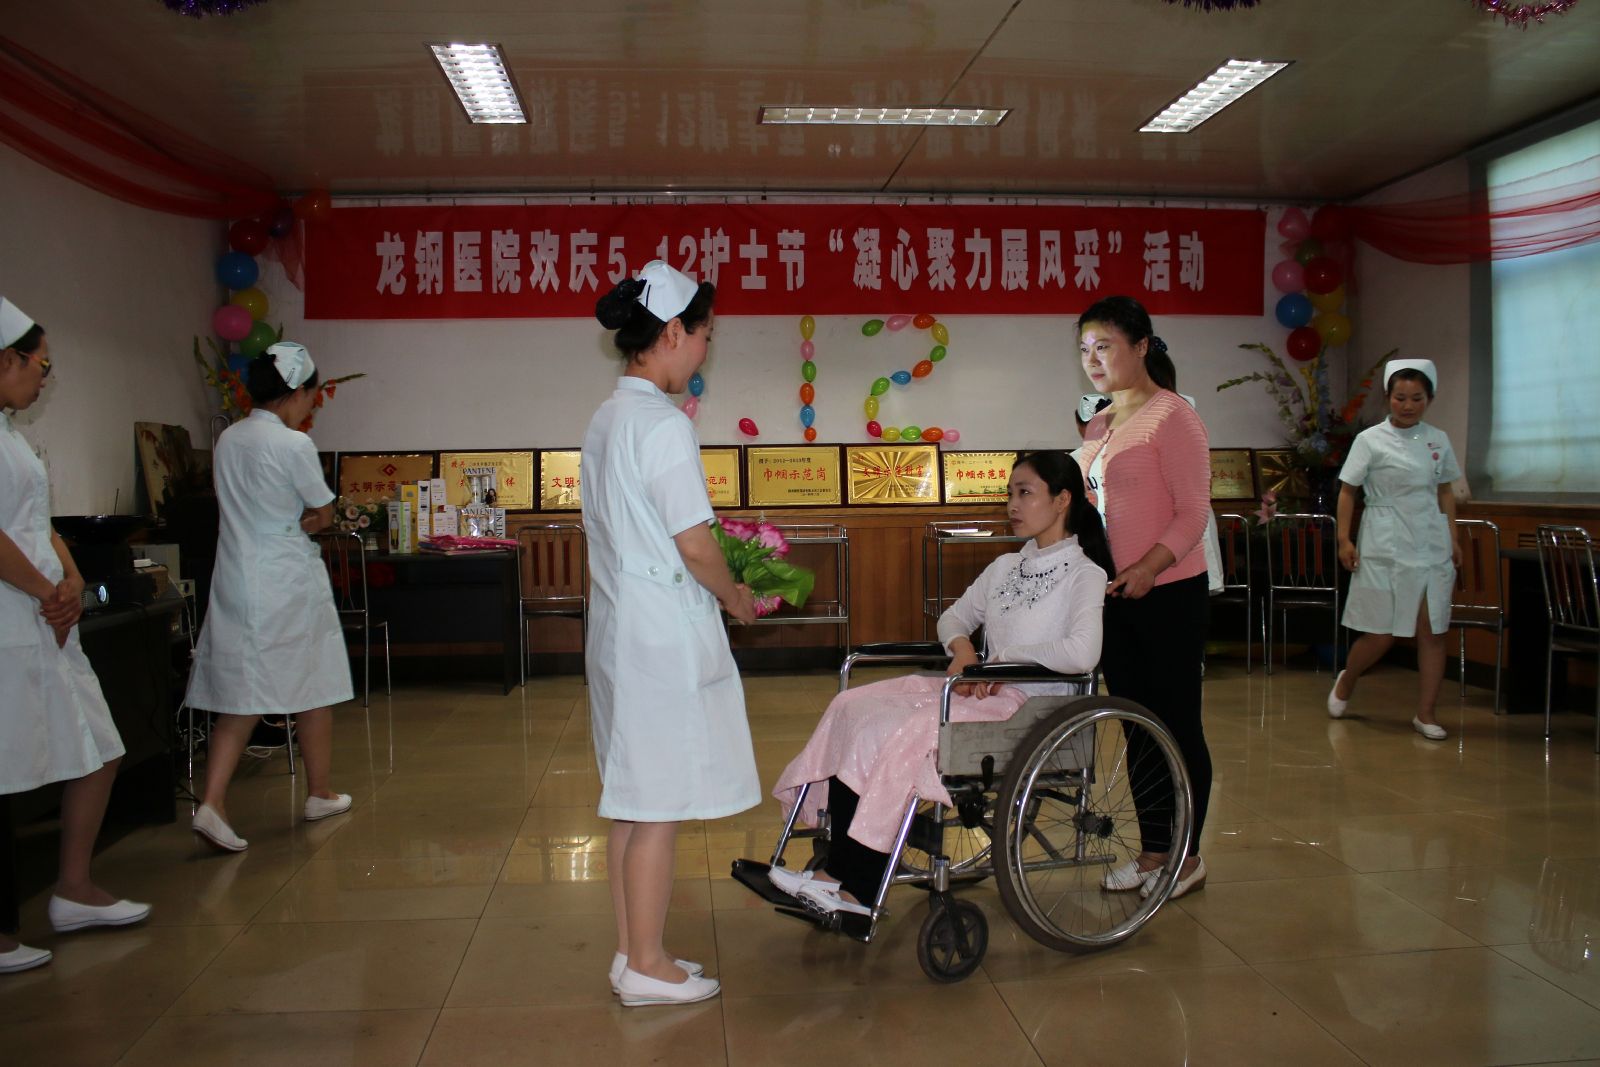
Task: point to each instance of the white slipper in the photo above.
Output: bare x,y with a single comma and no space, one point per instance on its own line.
639,990
209,825
820,898
68,915
24,958
619,963
1195,880
1431,730
1336,707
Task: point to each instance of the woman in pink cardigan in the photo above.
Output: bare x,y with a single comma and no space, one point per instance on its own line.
1147,463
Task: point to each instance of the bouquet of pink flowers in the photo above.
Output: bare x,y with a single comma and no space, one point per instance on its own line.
756,553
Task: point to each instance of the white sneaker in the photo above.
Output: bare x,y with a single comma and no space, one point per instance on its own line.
619,963
1127,877
209,825
639,990
1336,707
1431,730
822,898
322,808
24,958
68,915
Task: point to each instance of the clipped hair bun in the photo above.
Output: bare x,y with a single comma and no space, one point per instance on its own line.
1158,344
615,307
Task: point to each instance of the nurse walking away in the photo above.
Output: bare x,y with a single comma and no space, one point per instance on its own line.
54,722
1404,566
665,699
271,642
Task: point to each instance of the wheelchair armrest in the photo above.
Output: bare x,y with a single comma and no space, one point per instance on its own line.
1020,672
930,649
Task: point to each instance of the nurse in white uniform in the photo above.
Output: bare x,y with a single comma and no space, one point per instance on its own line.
665,699
54,723
1404,566
271,642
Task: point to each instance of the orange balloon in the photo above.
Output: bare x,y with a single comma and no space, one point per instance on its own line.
923,369
808,393
932,433
811,433
923,321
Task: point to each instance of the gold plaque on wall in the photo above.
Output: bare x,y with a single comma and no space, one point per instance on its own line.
722,476
560,487
370,477
513,477
977,477
792,476
1277,473
890,474
1233,475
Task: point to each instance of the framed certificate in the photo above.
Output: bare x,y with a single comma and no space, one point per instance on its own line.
893,474
513,479
1233,474
723,483
370,477
792,476
560,487
1276,472
977,477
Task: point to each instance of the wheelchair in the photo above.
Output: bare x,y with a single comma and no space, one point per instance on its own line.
1043,802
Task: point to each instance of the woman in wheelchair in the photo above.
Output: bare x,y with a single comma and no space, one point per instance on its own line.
875,746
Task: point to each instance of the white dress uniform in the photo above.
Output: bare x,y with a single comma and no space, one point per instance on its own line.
271,641
665,699
1405,539
54,723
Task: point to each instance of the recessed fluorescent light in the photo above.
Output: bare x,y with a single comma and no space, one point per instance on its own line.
1220,88
883,116
478,74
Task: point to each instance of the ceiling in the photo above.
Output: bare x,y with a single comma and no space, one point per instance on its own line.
661,95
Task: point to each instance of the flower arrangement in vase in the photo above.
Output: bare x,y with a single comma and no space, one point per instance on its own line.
220,375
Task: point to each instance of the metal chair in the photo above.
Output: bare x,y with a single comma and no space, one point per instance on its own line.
345,555
1479,599
1233,539
1302,573
1572,596
553,571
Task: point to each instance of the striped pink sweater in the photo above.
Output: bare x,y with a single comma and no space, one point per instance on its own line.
1157,474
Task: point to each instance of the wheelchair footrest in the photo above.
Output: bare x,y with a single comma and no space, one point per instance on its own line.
752,874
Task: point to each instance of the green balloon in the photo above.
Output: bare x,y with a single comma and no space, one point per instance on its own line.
880,387
911,433
1309,249
871,327
258,340
808,371
936,354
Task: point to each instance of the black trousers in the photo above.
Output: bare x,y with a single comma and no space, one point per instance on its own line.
1154,651
858,868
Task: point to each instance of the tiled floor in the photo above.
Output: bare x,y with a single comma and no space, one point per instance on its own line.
1373,898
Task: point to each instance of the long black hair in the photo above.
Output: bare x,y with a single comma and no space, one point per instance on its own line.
265,384
1129,316
637,330
1060,473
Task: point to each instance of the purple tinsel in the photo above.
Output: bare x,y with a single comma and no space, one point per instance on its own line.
1522,13
1216,5
199,8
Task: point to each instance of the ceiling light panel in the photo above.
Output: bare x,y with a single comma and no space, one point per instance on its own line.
1217,90
882,116
478,74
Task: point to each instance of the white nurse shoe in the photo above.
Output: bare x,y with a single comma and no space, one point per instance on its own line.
323,807
209,825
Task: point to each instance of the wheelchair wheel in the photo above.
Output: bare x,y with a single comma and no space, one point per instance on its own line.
967,846
1069,814
954,938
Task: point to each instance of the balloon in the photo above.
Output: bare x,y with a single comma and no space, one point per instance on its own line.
898,322
1304,344
911,433
282,221
901,377
808,392
697,384
922,369
1293,310
747,426
808,327
811,433
235,270
1329,301
1332,327
258,339
936,353
248,236
231,323
880,387
253,300
874,430
691,406
238,362
1294,225
808,415
1289,276
1308,250
941,333
952,436
932,433
315,206
923,321
871,327
891,433
808,371
1330,223
1323,275
808,350
871,407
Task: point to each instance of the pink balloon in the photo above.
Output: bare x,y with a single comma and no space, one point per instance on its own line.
807,350
747,426
952,436
691,406
1289,277
231,322
898,322
1294,224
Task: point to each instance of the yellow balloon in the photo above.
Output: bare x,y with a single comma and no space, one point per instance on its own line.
871,407
1328,301
808,326
1333,327
252,300
941,334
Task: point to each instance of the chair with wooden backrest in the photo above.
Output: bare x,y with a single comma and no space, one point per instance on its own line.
345,556
1479,600
553,568
1302,573
1572,595
1233,541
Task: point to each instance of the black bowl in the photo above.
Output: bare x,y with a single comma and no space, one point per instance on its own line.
99,529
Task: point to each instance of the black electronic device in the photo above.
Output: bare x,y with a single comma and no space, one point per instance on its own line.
99,546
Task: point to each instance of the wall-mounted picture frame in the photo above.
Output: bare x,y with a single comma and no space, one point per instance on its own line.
1233,474
1276,472
892,474
373,477
977,477
513,485
724,475
793,476
560,479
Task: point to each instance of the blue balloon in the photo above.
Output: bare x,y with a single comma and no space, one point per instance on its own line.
697,384
235,270
901,377
808,415
1294,311
238,362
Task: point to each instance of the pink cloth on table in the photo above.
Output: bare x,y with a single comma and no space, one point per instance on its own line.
882,741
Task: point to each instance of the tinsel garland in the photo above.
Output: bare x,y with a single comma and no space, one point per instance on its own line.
200,8
1523,13
1216,5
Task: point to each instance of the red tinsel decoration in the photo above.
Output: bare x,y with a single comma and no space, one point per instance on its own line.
1522,13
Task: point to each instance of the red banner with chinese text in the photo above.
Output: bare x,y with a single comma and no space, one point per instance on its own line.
553,261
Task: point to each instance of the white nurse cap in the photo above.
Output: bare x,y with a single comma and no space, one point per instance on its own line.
13,323
667,292
1424,365
293,363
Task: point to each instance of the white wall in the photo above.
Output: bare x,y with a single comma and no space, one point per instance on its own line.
121,292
